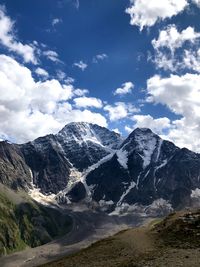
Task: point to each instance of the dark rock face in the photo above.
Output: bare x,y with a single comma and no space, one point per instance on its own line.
153,169
107,181
50,168
77,193
13,170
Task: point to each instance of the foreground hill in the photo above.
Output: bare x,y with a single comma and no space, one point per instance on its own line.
172,242
25,223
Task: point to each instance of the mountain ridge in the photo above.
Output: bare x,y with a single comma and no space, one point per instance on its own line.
87,162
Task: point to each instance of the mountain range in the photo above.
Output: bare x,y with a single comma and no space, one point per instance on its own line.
88,163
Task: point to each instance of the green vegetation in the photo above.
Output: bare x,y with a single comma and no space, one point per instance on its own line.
28,224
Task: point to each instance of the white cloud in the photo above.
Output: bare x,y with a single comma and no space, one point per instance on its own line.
51,55
83,102
128,129
120,110
99,57
173,39
61,75
126,88
145,13
197,2
9,40
169,49
78,115
81,65
29,109
80,92
166,61
42,72
56,21
69,80
156,125
191,59
181,94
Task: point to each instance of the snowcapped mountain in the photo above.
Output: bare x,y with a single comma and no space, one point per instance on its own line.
86,162
144,169
57,160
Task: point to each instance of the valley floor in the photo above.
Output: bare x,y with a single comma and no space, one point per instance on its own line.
87,228
142,247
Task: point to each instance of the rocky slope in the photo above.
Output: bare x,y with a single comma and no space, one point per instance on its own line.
14,172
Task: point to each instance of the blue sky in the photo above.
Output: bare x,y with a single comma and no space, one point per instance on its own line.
121,64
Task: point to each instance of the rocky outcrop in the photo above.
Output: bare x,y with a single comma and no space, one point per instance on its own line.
14,172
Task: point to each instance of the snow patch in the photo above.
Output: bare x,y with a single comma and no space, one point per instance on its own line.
161,165
131,186
195,193
103,203
146,144
122,157
47,200
159,148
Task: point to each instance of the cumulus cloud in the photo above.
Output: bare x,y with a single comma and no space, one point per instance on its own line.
156,125
83,102
126,88
146,13
191,59
173,39
176,50
29,109
10,41
81,65
120,110
181,94
42,72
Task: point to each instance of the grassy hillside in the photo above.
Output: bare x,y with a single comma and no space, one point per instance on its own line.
26,223
172,242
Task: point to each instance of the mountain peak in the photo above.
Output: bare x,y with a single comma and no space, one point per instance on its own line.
142,131
87,133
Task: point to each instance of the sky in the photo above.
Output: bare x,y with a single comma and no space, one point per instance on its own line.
121,64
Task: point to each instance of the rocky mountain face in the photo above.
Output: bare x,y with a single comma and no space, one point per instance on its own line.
144,169
53,159
13,170
86,162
